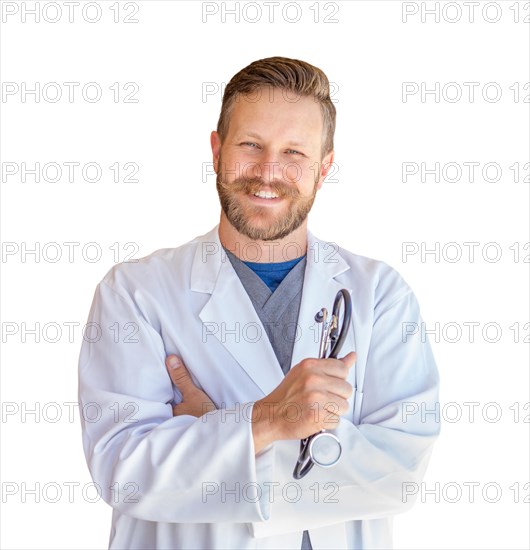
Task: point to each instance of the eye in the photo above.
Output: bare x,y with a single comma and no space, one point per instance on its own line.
254,145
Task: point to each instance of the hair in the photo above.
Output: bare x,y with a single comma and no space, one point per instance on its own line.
287,74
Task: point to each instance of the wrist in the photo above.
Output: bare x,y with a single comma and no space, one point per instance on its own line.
262,427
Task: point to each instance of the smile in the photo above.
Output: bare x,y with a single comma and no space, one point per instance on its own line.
266,195
265,198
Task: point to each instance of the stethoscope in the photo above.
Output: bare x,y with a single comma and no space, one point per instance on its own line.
324,448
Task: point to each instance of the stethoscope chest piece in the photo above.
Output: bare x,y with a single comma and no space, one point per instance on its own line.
325,449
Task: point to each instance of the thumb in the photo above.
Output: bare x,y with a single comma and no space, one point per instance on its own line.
179,374
349,359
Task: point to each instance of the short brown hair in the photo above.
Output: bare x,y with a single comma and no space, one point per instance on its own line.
287,74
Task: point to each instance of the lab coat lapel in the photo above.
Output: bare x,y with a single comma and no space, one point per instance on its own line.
324,263
230,308
230,313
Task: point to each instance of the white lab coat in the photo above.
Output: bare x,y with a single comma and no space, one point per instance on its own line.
186,482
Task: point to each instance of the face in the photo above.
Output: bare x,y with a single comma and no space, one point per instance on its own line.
269,168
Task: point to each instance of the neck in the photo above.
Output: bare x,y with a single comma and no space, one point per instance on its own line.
290,247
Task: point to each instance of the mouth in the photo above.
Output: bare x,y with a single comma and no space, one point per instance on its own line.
265,197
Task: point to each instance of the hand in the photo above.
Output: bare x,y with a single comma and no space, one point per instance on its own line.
312,397
194,401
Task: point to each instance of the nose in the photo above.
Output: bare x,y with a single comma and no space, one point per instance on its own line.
268,167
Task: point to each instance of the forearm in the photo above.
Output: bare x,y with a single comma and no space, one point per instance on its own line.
377,466
178,469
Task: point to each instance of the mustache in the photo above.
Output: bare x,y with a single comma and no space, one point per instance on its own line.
247,185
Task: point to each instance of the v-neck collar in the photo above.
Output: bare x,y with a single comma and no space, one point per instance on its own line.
270,305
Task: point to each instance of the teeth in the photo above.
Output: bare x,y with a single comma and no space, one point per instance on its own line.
265,195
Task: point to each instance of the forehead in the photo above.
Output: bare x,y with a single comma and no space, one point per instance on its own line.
273,110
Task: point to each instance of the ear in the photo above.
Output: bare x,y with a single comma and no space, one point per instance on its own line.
215,142
325,167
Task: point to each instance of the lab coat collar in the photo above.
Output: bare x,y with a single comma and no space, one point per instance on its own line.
230,308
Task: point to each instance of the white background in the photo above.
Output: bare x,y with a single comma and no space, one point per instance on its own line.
171,54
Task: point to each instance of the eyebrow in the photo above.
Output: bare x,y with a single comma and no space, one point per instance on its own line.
257,136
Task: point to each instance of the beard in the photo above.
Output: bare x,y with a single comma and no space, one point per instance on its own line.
258,222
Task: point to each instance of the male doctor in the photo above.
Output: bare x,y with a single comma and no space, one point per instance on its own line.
202,376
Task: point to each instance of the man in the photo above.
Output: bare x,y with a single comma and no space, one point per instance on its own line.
207,461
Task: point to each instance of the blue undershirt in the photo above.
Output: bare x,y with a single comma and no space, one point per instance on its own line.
272,274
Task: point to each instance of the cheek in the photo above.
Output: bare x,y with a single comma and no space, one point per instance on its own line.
295,173
229,162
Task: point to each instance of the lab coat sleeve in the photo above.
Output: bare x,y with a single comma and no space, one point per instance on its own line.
384,458
147,463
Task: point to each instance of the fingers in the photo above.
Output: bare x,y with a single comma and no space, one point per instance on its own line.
179,375
336,405
349,359
339,368
184,408
335,387
195,406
